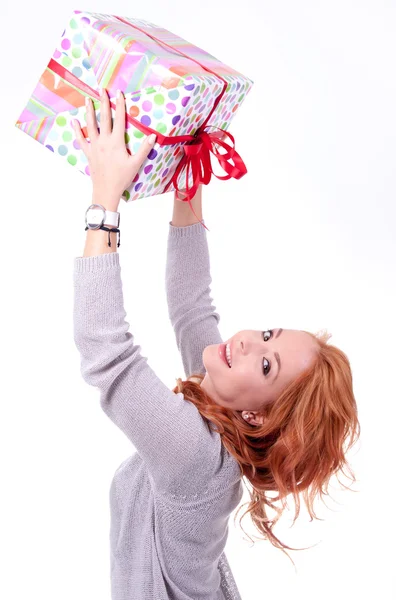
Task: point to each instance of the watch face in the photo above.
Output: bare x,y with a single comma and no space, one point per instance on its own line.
95,217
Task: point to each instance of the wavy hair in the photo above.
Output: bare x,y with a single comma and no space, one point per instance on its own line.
302,442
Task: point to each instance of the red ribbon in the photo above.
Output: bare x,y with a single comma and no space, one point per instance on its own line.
197,148
197,158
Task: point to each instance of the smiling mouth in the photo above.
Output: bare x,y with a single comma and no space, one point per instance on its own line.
225,356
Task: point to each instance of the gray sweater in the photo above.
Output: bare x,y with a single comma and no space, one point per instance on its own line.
170,502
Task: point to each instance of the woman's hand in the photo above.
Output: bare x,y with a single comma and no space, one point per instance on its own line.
111,167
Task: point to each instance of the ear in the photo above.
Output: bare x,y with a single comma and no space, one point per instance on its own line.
258,419
252,417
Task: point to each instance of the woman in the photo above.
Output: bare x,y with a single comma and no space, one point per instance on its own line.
277,411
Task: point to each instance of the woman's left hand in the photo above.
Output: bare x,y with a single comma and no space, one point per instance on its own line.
111,167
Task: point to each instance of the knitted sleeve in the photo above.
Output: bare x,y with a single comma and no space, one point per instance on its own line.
167,431
191,311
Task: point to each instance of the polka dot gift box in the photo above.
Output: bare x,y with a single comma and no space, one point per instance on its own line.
172,88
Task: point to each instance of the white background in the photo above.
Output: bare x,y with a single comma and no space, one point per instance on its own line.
305,240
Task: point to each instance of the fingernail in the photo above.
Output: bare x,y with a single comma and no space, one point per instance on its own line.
118,94
87,99
151,139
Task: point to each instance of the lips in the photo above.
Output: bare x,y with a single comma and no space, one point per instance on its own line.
222,353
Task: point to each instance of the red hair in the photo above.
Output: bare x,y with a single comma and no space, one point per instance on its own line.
302,442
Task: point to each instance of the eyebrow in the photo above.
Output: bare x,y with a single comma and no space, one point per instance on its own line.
278,360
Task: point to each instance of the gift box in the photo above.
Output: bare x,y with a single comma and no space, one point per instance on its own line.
172,88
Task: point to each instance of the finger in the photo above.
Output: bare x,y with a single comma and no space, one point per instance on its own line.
92,124
144,150
84,145
119,121
105,114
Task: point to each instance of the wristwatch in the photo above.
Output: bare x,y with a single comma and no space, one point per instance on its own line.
96,217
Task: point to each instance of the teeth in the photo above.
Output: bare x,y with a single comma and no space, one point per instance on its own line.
228,355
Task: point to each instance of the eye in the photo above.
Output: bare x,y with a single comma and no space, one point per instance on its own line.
267,367
270,331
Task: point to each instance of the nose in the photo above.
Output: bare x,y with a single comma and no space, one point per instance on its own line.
248,346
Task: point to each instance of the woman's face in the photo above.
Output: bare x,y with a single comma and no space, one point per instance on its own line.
255,377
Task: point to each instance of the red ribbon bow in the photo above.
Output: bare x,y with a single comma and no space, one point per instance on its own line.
197,158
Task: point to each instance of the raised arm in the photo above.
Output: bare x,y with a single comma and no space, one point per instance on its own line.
167,431
190,309
182,213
